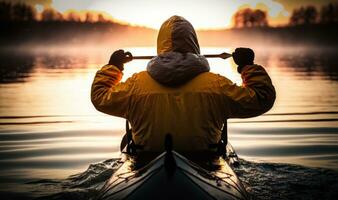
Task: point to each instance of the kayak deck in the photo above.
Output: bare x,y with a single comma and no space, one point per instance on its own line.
172,176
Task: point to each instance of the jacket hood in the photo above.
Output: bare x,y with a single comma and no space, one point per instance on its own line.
179,58
177,34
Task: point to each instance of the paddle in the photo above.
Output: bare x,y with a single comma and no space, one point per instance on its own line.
222,55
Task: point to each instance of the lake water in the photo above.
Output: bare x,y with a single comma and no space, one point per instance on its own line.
49,129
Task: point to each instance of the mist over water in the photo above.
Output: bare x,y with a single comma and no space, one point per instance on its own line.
49,129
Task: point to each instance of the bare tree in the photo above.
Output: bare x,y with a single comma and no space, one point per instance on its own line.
5,11
329,13
250,18
16,12
260,18
304,15
89,17
73,17
49,14
311,15
101,19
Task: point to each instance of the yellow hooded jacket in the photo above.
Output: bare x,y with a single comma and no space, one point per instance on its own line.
178,95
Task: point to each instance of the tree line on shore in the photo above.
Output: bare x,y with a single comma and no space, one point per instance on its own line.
246,17
23,12
305,15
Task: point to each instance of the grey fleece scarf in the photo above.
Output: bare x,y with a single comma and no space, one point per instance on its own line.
174,69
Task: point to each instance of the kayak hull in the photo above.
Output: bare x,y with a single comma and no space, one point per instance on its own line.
172,176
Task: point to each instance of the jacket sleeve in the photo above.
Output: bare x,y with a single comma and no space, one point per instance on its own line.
108,94
255,97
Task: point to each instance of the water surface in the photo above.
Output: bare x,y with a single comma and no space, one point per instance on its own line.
49,129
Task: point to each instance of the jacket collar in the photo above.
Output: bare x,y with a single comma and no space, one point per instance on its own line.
174,68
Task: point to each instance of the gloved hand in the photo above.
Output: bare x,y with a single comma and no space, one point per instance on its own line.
119,57
242,57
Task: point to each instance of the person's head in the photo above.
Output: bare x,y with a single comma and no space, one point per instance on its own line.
178,35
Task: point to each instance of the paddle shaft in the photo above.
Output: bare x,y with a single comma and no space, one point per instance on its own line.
222,55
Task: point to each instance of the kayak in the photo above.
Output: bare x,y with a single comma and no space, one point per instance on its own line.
173,176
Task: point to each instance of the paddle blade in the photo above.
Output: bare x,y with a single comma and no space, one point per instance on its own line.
225,55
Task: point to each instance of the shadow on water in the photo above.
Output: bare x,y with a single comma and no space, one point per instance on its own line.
311,63
307,63
15,67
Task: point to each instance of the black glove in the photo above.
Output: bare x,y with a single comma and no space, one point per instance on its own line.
119,57
243,57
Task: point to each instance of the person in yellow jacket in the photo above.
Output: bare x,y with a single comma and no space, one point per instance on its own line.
178,95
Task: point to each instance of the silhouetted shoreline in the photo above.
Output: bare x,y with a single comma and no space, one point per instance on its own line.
37,33
22,26
312,35
69,32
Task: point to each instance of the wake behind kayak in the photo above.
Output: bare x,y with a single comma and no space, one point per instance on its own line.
173,176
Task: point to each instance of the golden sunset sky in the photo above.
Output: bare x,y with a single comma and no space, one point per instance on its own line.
203,14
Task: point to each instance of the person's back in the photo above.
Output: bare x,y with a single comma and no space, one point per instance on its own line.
178,95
